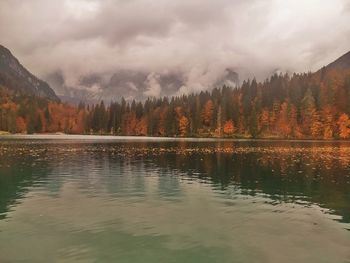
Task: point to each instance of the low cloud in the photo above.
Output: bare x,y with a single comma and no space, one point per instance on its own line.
153,86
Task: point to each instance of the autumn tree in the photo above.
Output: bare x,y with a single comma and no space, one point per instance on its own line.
328,122
183,126
315,124
21,126
344,126
207,113
141,127
183,122
229,128
264,121
283,120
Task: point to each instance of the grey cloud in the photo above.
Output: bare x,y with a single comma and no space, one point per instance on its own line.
141,48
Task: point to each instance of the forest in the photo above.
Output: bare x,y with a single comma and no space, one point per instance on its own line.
301,106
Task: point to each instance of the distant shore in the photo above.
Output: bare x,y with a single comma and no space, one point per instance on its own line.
6,135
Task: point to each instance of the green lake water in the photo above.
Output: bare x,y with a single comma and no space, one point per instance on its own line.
112,199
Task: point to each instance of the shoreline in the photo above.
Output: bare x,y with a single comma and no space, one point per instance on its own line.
59,136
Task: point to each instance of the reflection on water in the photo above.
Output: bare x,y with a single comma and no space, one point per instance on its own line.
114,200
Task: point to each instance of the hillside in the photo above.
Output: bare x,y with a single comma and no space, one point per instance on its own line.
342,63
18,79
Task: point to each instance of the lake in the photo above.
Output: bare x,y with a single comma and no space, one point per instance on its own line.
134,199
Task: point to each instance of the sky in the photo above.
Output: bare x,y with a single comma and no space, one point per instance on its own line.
193,40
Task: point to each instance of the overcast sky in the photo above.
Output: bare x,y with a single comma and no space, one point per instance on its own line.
199,38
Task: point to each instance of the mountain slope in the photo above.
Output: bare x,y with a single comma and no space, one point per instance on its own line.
18,79
341,63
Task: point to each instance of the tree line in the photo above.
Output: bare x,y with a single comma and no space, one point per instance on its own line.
308,105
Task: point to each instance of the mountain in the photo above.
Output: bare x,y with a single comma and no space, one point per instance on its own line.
341,63
17,78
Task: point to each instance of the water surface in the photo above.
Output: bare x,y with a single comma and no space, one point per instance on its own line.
111,199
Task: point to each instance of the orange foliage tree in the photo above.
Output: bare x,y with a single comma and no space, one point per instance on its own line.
207,113
344,126
141,127
183,126
229,127
182,121
21,126
263,124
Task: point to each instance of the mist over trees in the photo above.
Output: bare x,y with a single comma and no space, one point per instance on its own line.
299,106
